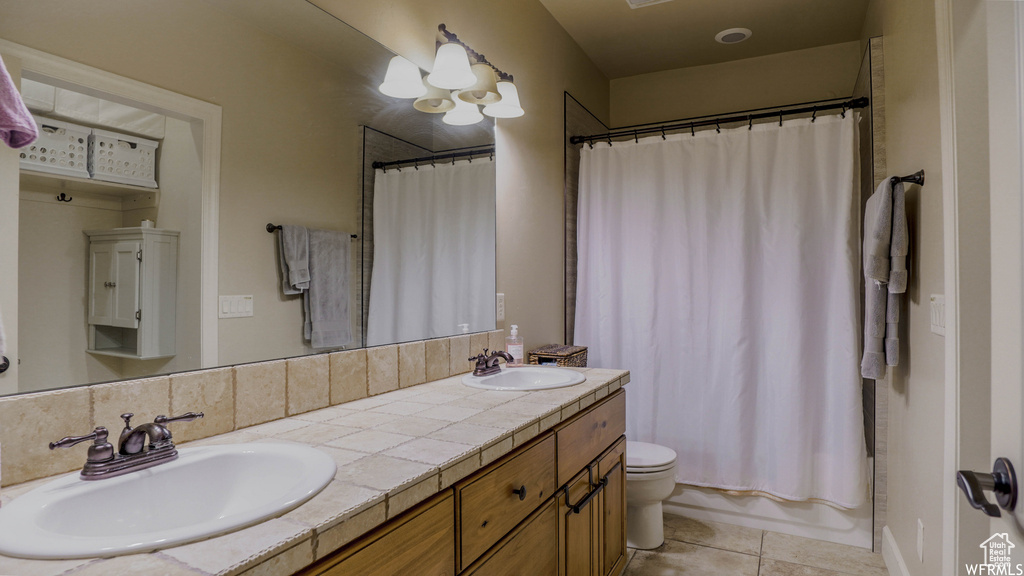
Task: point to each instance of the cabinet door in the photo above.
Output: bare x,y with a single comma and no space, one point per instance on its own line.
530,550
101,274
126,280
578,530
420,541
612,510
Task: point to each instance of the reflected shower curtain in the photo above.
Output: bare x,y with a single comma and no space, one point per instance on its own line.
722,271
433,252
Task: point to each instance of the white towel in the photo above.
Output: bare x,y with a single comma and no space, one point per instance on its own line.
326,300
293,247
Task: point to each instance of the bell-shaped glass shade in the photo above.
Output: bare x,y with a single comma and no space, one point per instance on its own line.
484,90
509,106
402,80
435,101
451,68
463,114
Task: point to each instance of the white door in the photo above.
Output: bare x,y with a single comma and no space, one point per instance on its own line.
1006,154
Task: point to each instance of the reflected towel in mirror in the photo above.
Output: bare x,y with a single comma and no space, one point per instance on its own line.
326,300
293,246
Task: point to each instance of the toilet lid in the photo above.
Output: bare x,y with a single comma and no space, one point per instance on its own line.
646,457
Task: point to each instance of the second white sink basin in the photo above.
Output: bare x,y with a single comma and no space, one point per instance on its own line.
207,491
526,378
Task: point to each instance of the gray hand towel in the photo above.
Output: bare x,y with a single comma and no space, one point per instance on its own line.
900,243
293,246
326,301
873,362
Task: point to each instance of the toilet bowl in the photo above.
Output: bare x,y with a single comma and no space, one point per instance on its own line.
650,478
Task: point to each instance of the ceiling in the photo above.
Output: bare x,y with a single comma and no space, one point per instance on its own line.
623,41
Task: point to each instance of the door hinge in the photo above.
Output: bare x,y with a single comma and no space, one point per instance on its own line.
138,255
138,315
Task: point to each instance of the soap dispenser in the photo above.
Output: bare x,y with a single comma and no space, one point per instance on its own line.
514,346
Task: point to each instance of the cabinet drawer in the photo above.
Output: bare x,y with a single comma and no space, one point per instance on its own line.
586,436
532,549
487,506
420,541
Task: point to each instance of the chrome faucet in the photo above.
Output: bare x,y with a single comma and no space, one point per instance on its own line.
132,453
487,365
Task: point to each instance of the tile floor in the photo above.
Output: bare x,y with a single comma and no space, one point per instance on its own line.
696,548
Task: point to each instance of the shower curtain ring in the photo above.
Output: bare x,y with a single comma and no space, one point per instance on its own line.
750,122
780,117
814,115
717,127
609,140
432,165
636,138
692,133
591,144
416,166
843,115
662,132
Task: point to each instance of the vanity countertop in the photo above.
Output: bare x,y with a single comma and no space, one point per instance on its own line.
393,451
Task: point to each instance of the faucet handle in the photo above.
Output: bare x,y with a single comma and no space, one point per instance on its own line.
99,435
127,417
186,417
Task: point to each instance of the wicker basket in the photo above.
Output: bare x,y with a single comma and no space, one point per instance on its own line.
559,354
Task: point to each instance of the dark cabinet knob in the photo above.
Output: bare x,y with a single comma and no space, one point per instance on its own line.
1002,482
521,491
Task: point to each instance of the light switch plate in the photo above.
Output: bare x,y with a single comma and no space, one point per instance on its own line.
938,313
499,308
235,306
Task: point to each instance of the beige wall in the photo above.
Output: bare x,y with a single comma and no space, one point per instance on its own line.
775,80
523,39
290,150
916,400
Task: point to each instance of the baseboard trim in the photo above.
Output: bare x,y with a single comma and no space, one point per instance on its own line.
891,555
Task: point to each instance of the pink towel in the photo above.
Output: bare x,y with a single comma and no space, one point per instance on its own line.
17,129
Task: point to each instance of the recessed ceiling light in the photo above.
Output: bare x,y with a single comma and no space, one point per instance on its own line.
644,3
733,35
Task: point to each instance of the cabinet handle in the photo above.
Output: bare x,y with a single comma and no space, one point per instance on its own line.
521,492
579,506
110,284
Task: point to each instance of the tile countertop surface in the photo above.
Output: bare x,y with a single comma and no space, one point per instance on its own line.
393,451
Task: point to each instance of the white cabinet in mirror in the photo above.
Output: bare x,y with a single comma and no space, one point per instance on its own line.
263,108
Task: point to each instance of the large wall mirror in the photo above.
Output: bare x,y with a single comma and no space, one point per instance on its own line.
302,126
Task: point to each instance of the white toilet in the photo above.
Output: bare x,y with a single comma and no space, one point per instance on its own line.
650,478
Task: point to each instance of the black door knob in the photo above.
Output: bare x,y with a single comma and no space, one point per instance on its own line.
1002,482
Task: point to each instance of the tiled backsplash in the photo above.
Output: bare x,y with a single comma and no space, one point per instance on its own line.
232,398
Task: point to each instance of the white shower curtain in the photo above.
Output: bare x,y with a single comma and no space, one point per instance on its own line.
721,270
433,252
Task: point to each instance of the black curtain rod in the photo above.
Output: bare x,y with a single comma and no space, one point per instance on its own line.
272,228
719,120
432,159
915,178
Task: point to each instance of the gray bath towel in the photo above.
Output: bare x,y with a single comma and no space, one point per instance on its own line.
293,246
886,244
898,276
326,301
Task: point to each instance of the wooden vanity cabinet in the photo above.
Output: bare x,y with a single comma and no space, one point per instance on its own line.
554,506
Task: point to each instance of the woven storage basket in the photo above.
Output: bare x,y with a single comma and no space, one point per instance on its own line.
561,354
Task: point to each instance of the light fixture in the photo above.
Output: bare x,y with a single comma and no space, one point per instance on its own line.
733,35
435,100
508,106
484,90
464,113
451,68
454,87
403,79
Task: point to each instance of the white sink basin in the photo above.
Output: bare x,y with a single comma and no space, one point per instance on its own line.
526,378
205,492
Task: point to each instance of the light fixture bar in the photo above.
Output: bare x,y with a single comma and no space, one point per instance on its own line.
480,58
